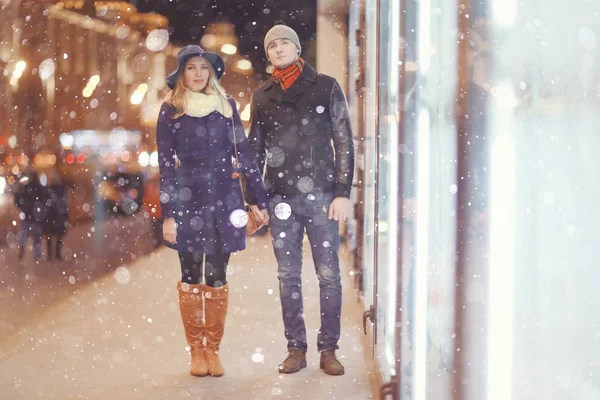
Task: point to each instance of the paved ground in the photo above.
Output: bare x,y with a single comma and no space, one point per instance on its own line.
82,329
90,251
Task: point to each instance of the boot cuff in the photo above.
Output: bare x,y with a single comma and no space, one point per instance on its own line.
216,293
190,288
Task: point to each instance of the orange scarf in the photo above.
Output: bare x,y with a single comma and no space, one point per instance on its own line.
287,76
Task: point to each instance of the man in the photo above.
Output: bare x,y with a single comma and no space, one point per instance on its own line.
57,216
31,198
296,117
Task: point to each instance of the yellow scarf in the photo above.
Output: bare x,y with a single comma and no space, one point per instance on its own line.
200,104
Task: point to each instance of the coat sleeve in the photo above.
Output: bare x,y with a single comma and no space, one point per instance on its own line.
256,192
343,142
165,142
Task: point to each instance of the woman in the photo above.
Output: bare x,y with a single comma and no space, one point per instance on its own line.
201,198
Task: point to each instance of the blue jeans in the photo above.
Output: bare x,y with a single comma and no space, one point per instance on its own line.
310,214
34,227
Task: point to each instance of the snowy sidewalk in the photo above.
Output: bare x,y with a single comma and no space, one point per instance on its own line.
90,251
121,337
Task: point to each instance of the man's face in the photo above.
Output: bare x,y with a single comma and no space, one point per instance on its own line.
282,53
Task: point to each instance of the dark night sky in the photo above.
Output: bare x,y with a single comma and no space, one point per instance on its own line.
187,19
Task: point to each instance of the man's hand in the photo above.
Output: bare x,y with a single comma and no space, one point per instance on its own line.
262,216
339,208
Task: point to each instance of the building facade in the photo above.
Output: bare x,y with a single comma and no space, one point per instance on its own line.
92,65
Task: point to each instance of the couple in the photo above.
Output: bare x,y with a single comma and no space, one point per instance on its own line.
296,115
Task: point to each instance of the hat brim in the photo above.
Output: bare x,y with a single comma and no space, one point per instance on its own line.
217,63
214,59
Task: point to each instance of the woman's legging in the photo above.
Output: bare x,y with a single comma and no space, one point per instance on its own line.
215,270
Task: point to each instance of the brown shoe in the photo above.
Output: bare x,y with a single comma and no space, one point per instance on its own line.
295,361
216,301
190,306
330,364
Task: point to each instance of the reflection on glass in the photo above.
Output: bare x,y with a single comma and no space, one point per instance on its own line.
387,175
553,75
369,149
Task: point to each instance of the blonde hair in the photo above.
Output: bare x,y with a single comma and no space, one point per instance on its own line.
177,99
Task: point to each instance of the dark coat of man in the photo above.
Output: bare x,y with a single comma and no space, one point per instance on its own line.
294,129
57,219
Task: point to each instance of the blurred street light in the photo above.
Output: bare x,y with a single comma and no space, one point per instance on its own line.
154,159
94,79
208,41
2,184
244,65
91,85
138,94
220,36
144,159
44,160
19,68
66,141
228,48
17,72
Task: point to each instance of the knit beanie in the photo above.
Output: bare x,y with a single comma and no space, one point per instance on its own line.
281,31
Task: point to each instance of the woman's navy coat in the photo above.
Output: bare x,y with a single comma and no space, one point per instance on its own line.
200,191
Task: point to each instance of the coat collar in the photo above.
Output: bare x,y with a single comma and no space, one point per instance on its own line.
302,84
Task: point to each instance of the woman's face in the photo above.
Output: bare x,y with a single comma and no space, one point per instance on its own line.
282,53
196,74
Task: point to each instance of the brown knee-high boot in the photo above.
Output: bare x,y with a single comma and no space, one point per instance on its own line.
216,301
190,306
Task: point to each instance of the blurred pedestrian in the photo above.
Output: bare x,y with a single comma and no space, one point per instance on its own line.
198,132
30,197
57,217
296,117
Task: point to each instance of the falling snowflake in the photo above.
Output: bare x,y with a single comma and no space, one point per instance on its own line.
238,218
305,184
196,223
185,194
157,40
275,157
122,275
283,211
258,357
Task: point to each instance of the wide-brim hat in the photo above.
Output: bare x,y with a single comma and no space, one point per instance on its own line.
190,51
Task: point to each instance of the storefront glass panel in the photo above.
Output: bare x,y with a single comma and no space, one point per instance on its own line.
388,179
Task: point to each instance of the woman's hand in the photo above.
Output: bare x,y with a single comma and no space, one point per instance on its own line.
170,230
262,216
